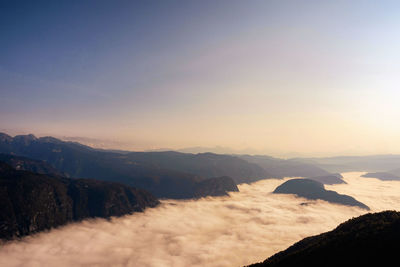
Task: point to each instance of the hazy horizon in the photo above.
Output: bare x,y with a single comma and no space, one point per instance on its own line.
283,78
121,146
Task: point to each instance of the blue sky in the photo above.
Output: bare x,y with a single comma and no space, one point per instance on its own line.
276,76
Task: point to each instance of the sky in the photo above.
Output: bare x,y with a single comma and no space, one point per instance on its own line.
243,228
314,78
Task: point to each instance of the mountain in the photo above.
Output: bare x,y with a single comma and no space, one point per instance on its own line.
206,165
219,186
27,164
384,176
165,174
375,163
279,168
329,179
368,240
311,189
32,202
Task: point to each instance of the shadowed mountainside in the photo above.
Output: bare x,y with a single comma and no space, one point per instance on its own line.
32,202
368,240
313,190
206,165
27,164
280,168
215,187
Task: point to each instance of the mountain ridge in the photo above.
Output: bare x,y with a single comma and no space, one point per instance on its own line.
311,189
368,240
33,202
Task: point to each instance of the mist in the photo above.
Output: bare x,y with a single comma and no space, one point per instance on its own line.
244,228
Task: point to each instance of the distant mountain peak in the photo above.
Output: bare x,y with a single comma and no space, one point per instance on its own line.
5,137
50,139
25,139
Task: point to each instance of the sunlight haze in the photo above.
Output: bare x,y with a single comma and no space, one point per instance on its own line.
276,77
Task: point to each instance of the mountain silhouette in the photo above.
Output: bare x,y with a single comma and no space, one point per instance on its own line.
368,240
313,190
165,174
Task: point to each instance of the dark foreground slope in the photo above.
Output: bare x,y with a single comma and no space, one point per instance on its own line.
311,189
369,240
164,174
33,202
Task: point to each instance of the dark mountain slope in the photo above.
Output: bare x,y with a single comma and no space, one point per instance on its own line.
311,189
279,168
369,240
166,179
219,186
33,202
27,164
206,165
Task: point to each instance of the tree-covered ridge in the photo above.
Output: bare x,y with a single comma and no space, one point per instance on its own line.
32,202
369,240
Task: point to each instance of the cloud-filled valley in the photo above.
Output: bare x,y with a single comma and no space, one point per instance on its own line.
244,228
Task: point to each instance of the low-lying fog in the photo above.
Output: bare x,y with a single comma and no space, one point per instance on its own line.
244,228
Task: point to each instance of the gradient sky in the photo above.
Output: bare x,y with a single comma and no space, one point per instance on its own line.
277,77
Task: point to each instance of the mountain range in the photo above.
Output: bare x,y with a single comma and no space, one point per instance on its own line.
374,163
166,174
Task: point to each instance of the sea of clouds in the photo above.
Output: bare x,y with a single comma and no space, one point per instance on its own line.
244,228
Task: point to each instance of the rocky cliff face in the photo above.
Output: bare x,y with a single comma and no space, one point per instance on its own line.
33,202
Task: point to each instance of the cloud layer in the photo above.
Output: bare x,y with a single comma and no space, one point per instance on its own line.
244,228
